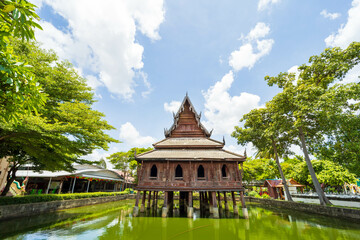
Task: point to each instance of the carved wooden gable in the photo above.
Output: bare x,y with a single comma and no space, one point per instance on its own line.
187,122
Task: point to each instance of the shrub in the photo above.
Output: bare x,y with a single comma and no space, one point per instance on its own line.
54,197
254,194
266,196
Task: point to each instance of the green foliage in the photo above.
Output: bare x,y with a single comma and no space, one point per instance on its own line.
259,169
324,112
19,90
327,172
65,129
254,194
18,19
54,197
314,108
265,196
125,161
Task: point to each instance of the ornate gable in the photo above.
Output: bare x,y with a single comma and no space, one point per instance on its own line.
187,122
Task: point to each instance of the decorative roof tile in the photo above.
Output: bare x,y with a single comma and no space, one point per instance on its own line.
188,142
193,154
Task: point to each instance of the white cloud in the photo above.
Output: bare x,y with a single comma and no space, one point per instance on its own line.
352,75
172,107
223,111
100,38
259,31
294,69
248,55
131,136
98,154
348,32
331,16
264,4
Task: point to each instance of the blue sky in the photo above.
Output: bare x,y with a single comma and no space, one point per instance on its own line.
141,57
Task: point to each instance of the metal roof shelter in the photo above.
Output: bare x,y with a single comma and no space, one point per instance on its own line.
85,178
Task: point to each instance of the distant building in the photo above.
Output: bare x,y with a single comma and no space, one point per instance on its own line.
276,187
86,178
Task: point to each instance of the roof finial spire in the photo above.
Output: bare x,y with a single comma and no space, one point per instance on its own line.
245,153
135,153
224,140
186,93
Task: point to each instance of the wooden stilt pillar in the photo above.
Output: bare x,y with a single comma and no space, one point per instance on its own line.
244,209
153,201
215,208
226,203
149,199
156,199
219,199
165,206
190,209
210,202
142,208
136,208
236,211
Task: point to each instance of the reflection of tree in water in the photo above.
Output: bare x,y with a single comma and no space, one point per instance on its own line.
114,221
71,221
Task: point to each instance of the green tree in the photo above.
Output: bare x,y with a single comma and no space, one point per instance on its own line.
266,135
259,169
328,173
19,89
301,100
65,129
342,142
125,161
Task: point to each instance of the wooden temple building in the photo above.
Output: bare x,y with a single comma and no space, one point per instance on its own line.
189,161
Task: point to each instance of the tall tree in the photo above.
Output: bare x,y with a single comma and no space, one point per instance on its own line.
300,100
265,134
65,129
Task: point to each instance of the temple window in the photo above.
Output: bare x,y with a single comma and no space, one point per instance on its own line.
223,171
153,171
178,172
201,172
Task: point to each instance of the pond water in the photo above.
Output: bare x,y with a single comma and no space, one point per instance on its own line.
114,221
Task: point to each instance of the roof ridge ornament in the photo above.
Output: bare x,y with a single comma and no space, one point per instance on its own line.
223,139
245,153
211,132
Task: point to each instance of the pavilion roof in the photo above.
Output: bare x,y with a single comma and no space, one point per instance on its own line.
278,183
190,154
188,143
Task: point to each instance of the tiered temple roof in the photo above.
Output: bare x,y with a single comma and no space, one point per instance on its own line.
188,139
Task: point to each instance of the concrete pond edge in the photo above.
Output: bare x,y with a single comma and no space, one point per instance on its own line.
337,212
30,209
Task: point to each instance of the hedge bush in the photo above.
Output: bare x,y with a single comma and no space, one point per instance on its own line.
54,197
254,194
265,196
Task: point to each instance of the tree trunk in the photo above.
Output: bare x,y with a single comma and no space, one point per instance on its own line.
281,173
9,180
125,175
323,199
